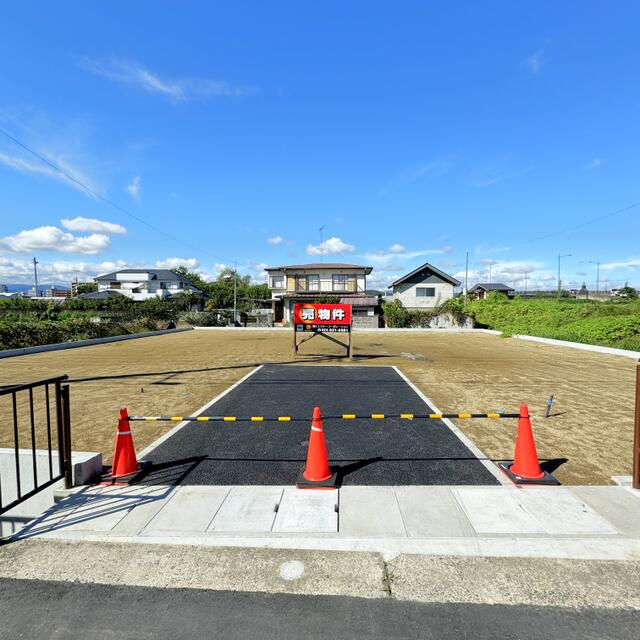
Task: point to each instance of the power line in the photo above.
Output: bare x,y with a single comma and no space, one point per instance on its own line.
581,225
89,190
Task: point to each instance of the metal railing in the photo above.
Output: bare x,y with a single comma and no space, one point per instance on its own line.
46,426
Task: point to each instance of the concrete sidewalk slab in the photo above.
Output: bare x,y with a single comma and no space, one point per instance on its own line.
248,509
189,509
307,511
620,508
553,522
560,512
432,512
370,511
497,512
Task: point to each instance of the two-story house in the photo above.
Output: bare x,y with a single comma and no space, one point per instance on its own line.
424,288
142,284
297,283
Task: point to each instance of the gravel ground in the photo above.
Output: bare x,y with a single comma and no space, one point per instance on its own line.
588,438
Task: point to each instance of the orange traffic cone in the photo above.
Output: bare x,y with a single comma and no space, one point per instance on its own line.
125,463
317,474
526,467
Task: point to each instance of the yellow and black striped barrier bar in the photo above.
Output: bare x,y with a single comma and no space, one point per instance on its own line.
343,416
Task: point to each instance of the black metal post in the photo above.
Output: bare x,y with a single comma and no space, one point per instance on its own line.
65,449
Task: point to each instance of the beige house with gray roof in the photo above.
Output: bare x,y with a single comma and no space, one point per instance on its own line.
424,288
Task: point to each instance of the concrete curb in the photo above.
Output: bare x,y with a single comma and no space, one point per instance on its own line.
580,345
487,463
10,353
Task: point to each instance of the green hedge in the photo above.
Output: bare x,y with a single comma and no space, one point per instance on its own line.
16,335
615,323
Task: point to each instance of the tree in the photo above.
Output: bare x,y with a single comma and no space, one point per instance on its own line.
86,287
627,291
195,278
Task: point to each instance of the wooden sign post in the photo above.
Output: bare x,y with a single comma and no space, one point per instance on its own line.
315,319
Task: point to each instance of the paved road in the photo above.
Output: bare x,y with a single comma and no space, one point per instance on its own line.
386,452
39,609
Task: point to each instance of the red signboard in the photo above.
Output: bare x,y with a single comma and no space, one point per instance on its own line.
322,317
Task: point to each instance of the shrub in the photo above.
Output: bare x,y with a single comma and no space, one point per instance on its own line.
395,314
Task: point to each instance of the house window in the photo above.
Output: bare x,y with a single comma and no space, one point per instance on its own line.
340,282
276,282
115,285
163,285
313,282
135,290
425,292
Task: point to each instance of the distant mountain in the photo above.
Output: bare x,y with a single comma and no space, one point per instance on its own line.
12,288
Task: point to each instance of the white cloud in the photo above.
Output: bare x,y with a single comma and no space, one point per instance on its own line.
513,273
448,264
435,168
49,238
485,248
536,60
275,240
380,257
397,248
172,263
632,263
58,272
37,168
332,246
484,177
595,163
134,188
257,271
92,225
181,89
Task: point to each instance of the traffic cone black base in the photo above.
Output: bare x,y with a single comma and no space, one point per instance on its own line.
547,478
330,483
107,479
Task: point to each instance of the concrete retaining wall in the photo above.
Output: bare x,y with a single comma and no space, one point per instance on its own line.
86,465
9,353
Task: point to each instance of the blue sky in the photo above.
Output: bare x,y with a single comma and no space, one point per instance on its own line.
412,131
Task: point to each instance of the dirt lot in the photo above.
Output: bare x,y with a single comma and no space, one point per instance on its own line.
591,424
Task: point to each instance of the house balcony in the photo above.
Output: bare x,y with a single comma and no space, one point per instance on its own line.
323,287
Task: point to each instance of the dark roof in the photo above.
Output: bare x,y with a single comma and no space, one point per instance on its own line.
100,295
157,274
426,265
321,265
360,301
491,286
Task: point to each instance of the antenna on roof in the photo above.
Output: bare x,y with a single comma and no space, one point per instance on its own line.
321,244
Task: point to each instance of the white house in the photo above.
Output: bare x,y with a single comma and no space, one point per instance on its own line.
295,283
424,288
142,284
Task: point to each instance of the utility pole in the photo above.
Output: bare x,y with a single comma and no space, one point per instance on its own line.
321,245
35,276
566,255
235,290
597,263
491,263
466,281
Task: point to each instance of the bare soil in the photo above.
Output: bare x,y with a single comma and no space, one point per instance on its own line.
588,436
